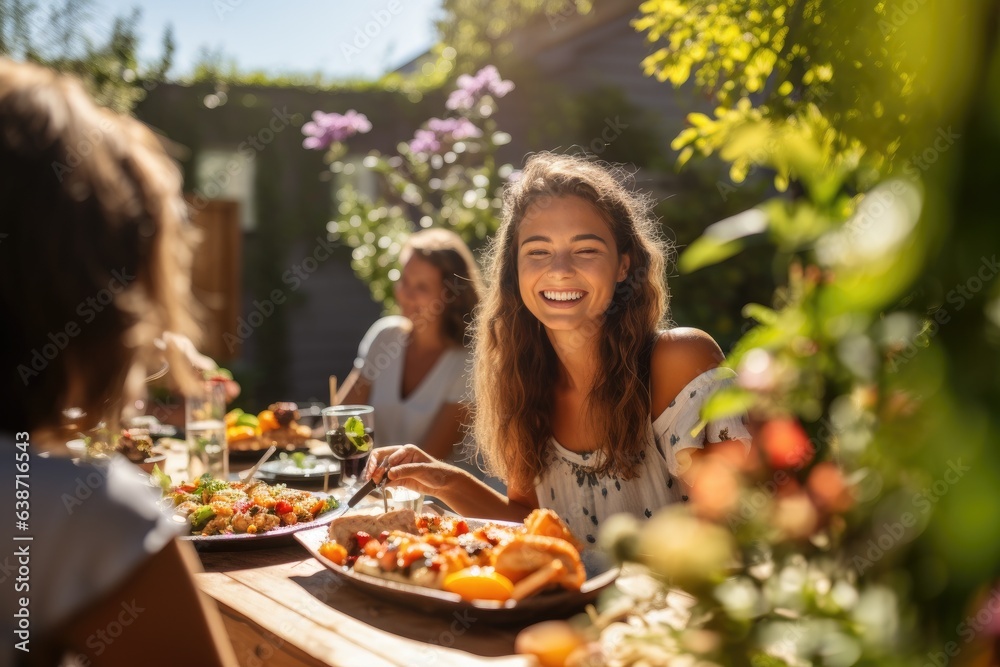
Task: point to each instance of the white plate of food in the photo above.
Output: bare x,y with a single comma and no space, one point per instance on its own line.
503,571
252,514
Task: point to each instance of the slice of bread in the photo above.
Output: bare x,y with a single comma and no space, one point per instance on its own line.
371,520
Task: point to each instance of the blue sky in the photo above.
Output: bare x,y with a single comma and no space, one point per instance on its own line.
301,36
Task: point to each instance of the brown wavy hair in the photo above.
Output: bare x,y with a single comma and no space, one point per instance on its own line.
446,251
96,252
515,365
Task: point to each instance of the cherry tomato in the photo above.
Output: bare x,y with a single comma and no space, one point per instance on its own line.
371,548
242,505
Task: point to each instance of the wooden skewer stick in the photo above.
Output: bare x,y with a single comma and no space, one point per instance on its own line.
538,580
333,401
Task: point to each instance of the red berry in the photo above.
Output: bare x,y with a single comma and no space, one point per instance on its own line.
786,444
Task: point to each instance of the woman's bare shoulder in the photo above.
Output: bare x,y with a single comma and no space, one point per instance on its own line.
679,356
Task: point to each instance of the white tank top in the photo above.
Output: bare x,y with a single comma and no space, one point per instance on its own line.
400,421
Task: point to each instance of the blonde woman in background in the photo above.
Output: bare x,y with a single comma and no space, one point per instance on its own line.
412,368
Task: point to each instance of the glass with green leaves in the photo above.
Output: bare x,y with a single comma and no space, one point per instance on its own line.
350,432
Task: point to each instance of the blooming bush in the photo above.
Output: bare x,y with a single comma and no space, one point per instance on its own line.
802,553
786,556
443,132
445,176
851,368
472,89
855,532
326,129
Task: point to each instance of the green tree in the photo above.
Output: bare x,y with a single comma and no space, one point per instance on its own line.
847,71
479,31
61,39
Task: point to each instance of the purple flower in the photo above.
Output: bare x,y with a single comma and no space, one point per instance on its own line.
327,128
455,129
425,141
442,131
471,89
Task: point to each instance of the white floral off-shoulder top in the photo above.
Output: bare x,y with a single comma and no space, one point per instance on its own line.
584,499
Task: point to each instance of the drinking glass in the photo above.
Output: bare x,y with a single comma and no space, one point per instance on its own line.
350,432
400,498
205,427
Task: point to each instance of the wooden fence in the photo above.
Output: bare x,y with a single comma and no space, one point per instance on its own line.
216,276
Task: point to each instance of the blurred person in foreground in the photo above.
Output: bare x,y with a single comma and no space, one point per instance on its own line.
96,255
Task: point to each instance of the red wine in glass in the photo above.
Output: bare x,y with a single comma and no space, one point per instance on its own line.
350,432
353,459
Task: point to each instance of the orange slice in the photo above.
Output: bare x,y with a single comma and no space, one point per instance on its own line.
479,583
333,552
551,642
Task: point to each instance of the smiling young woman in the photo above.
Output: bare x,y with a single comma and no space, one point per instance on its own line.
568,264
584,400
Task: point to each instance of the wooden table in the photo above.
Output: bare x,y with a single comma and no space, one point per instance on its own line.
281,607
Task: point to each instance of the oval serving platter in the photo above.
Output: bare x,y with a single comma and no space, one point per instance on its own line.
558,604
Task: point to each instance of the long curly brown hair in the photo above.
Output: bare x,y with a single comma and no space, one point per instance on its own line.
515,365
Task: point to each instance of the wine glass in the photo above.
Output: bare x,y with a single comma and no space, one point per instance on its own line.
350,432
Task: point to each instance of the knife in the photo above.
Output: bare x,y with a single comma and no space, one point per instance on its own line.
370,485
